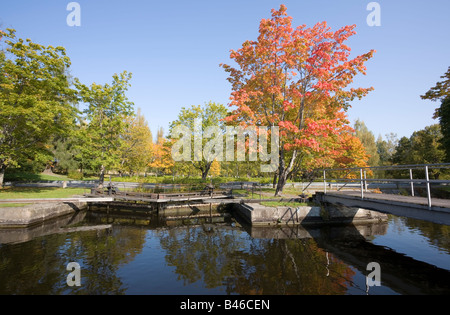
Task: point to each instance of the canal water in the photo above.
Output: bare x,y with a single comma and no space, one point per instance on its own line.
219,255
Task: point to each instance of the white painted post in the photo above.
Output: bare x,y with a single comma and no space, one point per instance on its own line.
362,184
324,182
428,187
412,184
365,182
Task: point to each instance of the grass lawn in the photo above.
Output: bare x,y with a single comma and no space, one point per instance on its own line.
268,193
35,193
29,177
285,204
247,194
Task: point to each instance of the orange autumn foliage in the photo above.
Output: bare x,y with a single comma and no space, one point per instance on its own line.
162,160
298,79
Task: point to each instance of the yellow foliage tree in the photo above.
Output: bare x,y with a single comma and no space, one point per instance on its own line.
137,145
161,161
215,168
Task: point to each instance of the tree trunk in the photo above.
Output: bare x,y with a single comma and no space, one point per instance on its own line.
284,171
101,179
275,177
206,170
2,174
282,178
281,174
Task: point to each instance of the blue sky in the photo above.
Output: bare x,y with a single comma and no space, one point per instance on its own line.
174,48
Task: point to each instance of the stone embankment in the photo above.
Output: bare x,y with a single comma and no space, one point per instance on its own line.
16,217
257,214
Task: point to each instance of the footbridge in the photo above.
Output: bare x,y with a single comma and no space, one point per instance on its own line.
410,193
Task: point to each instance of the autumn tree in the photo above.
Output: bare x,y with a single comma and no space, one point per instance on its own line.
352,153
160,135
296,79
105,120
136,149
36,99
215,168
161,159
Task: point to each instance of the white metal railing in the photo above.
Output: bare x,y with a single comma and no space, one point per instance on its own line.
363,177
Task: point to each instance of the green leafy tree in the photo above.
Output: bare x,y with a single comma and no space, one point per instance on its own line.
423,147
36,99
444,122
64,152
441,92
368,140
386,148
402,153
105,120
210,115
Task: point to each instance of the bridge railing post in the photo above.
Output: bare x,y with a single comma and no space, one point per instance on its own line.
412,183
362,183
324,182
427,177
365,180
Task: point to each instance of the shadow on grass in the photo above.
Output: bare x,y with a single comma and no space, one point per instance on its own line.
39,192
32,177
32,190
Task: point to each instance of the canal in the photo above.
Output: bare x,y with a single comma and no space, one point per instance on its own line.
219,255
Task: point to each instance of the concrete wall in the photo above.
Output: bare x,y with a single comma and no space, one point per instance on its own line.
257,214
47,227
13,217
284,231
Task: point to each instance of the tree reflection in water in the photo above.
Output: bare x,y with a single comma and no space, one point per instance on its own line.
39,266
148,255
253,266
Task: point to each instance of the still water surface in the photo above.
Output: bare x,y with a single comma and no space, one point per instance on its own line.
151,255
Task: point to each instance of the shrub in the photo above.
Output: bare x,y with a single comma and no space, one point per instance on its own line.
75,175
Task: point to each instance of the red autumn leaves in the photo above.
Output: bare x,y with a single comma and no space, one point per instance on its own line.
298,79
